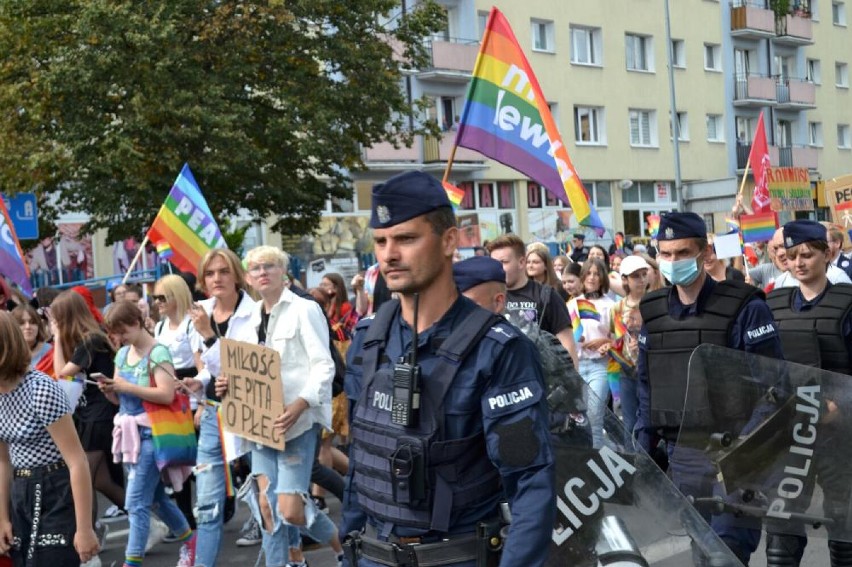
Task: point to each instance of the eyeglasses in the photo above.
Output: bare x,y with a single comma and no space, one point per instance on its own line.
160,298
258,268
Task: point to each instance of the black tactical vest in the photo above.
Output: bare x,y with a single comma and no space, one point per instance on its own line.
814,337
670,343
411,476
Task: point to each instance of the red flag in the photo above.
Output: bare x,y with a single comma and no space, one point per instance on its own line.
759,159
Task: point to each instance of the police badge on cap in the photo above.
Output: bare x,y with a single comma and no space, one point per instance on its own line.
405,196
799,231
674,226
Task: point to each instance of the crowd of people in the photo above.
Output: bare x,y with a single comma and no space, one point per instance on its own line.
82,391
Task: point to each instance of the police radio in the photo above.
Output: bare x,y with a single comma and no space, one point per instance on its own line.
405,409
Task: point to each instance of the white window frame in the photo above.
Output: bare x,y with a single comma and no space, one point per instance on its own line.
632,42
683,126
597,125
646,127
843,141
715,50
813,71
719,126
841,75
815,134
678,54
838,14
549,39
591,37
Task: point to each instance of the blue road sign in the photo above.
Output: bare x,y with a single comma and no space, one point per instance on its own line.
24,212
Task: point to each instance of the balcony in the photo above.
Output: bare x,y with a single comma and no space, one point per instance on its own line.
427,152
794,156
452,61
754,91
795,94
751,19
794,29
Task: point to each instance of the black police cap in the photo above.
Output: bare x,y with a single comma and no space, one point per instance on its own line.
477,270
674,226
798,231
405,196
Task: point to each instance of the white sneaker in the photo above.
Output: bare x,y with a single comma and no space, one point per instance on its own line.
93,562
156,533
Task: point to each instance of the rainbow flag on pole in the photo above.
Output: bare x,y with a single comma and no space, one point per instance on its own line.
185,227
758,227
12,263
455,194
653,225
506,118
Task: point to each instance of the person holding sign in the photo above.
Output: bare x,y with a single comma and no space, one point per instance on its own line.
296,328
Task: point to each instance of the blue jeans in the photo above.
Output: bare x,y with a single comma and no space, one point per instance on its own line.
629,401
288,472
144,489
593,372
210,488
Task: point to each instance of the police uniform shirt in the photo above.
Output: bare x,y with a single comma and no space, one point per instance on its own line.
580,254
844,264
482,399
754,331
551,316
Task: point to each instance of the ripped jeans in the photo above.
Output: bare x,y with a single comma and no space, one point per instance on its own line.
210,487
288,472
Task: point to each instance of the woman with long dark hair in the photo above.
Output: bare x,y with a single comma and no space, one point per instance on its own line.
36,336
540,269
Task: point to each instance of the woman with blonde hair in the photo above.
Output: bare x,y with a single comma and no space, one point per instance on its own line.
540,269
35,332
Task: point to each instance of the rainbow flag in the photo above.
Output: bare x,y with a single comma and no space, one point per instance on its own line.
653,225
506,118
587,310
12,264
577,327
758,227
619,242
164,251
455,194
185,224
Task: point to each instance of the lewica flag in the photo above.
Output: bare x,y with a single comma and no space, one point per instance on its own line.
185,225
758,227
506,118
12,264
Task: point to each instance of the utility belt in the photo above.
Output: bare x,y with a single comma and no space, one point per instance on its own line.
484,547
40,471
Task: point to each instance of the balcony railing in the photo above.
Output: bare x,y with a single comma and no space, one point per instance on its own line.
451,59
424,150
795,92
782,156
754,88
795,29
752,19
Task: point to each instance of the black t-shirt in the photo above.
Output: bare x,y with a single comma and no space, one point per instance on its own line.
551,315
93,355
221,329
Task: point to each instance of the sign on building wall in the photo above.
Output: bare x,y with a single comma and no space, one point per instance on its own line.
838,194
790,189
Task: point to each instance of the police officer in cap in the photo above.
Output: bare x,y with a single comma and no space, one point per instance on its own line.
579,251
815,323
448,409
677,319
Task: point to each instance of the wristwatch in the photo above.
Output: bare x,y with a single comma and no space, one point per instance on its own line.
211,341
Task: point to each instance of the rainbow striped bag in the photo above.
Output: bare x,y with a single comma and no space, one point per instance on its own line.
172,429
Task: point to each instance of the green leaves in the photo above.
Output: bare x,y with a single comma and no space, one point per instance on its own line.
103,101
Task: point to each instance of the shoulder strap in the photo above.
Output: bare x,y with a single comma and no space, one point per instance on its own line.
375,340
158,330
546,294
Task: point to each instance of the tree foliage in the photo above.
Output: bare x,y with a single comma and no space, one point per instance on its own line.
103,101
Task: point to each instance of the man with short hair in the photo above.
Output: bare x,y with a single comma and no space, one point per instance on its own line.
676,320
444,428
835,245
539,302
579,251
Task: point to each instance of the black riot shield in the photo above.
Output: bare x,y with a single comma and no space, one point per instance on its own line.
614,506
777,438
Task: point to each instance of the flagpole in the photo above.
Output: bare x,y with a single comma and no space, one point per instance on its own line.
450,163
739,194
135,259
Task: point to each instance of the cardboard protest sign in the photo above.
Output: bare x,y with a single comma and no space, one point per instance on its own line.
838,193
790,189
255,395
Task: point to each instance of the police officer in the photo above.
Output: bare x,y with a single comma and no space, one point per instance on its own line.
579,251
695,310
449,415
815,324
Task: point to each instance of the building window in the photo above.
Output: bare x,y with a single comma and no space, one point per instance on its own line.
712,57
481,22
843,136
715,128
506,194
589,125
678,54
586,46
683,127
841,75
813,72
542,34
600,194
815,134
643,128
554,113
639,51
485,196
838,13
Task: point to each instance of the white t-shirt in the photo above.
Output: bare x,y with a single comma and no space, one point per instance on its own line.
179,341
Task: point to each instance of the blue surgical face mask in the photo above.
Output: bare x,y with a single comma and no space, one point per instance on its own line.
680,272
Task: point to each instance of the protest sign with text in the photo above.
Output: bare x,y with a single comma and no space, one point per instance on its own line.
790,189
838,194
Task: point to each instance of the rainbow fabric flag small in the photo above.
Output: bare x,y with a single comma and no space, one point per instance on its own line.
185,224
164,251
577,327
506,117
587,310
758,227
653,225
619,242
455,194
